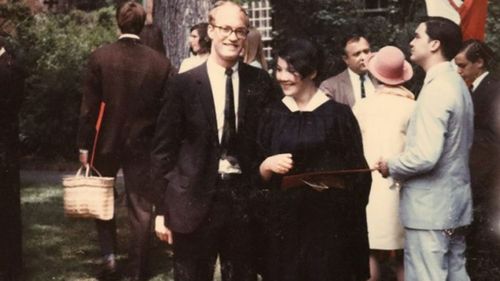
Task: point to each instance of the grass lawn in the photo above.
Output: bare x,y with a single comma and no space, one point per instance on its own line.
60,248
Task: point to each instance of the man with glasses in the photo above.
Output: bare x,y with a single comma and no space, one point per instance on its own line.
203,155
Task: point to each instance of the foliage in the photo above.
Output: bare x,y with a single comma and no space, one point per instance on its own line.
493,29
53,49
327,22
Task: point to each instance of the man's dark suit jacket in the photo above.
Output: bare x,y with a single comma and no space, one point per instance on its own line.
485,151
11,94
130,78
186,151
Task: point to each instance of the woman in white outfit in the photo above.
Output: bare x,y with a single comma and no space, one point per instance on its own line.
383,119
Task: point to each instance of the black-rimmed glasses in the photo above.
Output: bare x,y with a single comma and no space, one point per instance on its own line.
241,33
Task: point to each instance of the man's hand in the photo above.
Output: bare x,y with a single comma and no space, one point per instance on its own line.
162,232
149,19
84,157
382,167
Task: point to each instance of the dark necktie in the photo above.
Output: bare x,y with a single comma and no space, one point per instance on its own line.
362,79
229,128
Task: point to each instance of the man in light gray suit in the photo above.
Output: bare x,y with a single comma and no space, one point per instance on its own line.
354,83
436,203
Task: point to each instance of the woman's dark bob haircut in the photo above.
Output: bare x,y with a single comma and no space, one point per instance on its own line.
302,56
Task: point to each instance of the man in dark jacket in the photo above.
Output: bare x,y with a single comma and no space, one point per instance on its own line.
203,154
127,79
474,61
11,91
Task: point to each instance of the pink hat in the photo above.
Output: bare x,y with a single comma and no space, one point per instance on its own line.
389,66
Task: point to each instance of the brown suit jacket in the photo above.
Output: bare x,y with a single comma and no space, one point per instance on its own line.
339,88
130,78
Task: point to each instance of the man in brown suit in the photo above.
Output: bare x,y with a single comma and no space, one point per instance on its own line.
354,83
129,78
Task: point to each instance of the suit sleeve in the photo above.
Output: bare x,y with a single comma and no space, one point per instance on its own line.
166,143
327,87
92,96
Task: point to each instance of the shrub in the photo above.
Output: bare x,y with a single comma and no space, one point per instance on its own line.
54,49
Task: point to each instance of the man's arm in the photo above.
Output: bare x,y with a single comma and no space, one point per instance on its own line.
428,129
89,109
166,142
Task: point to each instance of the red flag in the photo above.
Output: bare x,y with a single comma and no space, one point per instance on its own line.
473,15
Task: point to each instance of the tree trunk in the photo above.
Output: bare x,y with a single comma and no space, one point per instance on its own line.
175,17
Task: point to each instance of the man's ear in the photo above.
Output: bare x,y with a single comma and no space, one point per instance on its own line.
435,45
480,63
210,32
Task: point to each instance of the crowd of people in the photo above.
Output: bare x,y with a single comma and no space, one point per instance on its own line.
283,175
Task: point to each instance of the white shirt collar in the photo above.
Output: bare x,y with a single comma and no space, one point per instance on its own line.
354,75
316,101
2,51
479,80
129,35
214,67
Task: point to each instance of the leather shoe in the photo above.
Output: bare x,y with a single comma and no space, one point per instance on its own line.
109,271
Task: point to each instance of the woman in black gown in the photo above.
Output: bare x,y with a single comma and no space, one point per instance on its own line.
312,235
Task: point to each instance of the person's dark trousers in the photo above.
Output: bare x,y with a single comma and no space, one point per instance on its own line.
135,173
10,220
225,233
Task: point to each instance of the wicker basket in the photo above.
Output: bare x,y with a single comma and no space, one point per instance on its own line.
87,196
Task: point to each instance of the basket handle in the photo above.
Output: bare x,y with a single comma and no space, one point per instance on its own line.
88,169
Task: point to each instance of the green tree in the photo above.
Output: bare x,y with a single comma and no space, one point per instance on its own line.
54,49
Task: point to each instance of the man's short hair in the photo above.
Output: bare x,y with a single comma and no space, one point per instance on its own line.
218,4
447,33
474,50
130,17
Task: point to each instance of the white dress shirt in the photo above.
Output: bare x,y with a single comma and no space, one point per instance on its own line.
217,77
356,85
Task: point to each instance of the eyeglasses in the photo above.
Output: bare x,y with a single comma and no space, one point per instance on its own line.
241,33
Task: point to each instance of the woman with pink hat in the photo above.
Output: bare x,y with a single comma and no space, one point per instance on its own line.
383,119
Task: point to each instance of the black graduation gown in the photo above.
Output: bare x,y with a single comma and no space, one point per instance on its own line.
315,235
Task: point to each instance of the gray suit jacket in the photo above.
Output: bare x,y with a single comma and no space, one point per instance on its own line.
339,88
434,168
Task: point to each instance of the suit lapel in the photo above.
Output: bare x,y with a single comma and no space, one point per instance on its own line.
242,97
206,96
346,80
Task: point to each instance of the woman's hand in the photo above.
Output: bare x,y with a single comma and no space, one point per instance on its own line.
277,164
